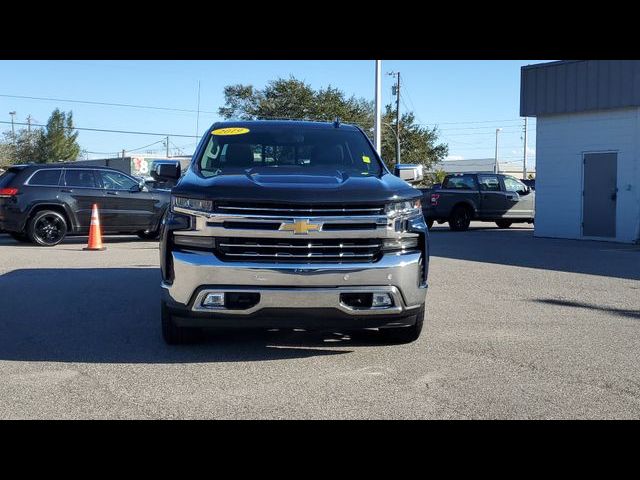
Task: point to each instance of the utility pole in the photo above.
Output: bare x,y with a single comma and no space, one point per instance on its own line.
496,167
123,152
167,146
13,128
378,106
29,118
524,160
396,89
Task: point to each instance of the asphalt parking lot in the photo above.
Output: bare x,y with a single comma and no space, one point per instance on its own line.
516,327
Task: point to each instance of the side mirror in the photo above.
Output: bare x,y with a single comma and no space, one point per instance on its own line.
166,171
137,188
408,172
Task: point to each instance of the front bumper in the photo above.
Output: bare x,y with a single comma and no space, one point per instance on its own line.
295,295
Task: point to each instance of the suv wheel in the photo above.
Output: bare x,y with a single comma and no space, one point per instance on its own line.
173,334
20,237
503,223
401,335
460,219
47,228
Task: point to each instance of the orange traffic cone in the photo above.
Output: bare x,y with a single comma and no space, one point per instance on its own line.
95,233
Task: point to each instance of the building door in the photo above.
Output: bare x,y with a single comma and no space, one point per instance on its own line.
599,195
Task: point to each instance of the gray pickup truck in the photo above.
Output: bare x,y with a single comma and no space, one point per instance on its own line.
485,197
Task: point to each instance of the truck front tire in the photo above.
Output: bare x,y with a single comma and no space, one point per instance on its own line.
503,223
402,335
173,334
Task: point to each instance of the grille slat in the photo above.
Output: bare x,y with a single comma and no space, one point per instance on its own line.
315,210
318,250
240,245
309,255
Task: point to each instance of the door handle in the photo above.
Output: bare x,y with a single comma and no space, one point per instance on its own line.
66,190
112,193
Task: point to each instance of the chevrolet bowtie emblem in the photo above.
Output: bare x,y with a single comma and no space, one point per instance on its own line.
300,227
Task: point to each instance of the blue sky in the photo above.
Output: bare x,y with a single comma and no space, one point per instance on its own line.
468,99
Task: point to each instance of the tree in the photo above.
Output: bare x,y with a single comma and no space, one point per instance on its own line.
6,154
59,140
22,148
56,142
417,144
295,99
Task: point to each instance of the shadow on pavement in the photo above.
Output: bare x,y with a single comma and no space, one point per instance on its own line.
112,315
6,239
567,303
518,247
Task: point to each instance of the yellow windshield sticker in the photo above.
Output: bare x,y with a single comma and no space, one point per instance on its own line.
230,131
366,159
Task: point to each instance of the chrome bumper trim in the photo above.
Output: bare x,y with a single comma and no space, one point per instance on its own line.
194,270
305,298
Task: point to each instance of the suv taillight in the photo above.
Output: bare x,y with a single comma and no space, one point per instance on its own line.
434,199
8,192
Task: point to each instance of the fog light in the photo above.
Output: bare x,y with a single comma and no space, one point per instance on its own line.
382,300
213,300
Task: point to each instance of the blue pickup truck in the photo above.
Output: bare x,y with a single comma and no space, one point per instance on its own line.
484,197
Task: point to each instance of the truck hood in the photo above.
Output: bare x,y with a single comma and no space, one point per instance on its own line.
290,186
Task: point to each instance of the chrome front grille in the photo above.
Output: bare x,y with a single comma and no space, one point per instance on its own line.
299,210
299,250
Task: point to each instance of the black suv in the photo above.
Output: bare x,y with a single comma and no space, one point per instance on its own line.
42,203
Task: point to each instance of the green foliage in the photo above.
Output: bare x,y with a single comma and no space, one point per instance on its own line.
59,141
295,99
54,143
417,144
439,176
23,148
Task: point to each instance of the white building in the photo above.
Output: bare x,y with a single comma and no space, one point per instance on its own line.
485,165
587,148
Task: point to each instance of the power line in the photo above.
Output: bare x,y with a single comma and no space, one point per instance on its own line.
113,131
475,121
91,102
473,128
481,133
140,148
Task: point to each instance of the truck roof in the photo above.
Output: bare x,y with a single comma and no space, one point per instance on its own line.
266,124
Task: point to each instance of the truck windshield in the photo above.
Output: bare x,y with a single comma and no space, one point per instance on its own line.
288,151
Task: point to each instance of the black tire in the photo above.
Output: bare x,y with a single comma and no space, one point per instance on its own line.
173,334
47,228
149,235
460,219
20,237
503,223
402,335
429,224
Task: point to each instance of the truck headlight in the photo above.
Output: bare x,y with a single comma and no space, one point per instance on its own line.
407,208
194,204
